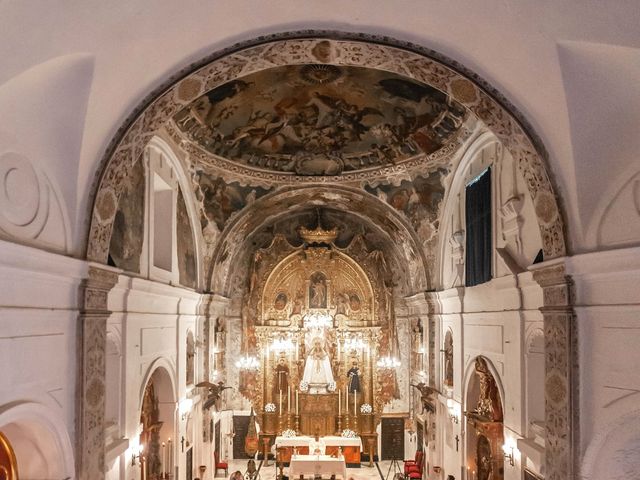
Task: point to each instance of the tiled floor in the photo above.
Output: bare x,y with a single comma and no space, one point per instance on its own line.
365,472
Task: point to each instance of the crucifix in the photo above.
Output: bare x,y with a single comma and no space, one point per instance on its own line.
457,442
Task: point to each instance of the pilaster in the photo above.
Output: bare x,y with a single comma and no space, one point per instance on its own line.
561,370
90,390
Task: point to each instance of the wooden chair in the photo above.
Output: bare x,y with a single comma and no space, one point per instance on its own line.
220,465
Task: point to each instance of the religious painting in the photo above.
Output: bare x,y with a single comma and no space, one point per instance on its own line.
484,459
280,302
321,119
354,302
318,290
419,200
220,200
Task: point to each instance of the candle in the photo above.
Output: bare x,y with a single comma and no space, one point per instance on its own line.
288,398
170,457
355,404
163,462
280,402
339,402
296,402
346,399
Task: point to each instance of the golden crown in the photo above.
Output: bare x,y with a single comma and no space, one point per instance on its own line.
318,235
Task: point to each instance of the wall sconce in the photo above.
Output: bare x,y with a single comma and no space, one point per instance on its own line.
454,410
137,453
509,453
184,407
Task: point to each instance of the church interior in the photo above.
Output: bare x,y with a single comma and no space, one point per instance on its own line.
319,240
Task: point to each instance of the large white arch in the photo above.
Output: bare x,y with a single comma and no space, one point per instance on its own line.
40,440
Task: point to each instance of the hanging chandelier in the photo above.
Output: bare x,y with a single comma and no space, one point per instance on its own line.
318,320
248,362
355,343
391,360
388,361
282,345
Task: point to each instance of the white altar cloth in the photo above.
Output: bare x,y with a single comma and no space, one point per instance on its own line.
311,465
329,441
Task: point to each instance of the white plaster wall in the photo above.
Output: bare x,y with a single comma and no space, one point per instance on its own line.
488,320
155,319
38,321
607,305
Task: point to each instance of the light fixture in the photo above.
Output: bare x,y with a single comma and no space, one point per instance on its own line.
248,362
388,361
391,360
282,345
318,320
509,452
454,410
355,343
184,407
137,453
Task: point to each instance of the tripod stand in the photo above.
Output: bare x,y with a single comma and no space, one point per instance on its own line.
395,465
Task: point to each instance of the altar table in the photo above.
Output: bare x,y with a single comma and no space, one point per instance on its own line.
351,447
312,465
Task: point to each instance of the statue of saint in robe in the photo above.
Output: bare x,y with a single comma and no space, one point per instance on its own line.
317,370
354,378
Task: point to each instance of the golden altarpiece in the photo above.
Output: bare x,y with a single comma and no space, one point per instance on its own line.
318,318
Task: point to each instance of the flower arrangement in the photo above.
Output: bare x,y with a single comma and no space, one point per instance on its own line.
304,386
289,433
365,408
270,407
346,433
331,387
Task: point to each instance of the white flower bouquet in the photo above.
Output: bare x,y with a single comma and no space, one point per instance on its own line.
346,433
304,386
365,408
289,433
270,407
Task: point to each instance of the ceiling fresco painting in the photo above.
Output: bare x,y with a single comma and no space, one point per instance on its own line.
321,119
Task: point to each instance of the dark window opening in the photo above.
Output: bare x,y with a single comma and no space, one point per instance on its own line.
478,225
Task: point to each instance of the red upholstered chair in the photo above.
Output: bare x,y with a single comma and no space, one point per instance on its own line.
415,471
415,464
220,465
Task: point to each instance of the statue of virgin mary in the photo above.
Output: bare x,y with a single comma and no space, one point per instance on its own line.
317,371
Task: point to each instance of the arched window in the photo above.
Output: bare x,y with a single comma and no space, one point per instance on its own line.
478,224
